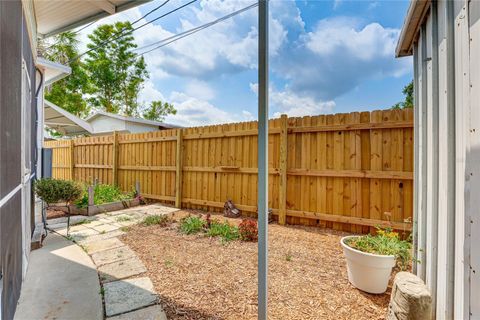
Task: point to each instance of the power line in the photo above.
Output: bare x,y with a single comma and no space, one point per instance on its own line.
150,12
122,34
186,33
121,31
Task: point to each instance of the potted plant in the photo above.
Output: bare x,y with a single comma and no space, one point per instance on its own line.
371,258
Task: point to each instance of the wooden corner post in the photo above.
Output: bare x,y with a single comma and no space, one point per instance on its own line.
282,198
179,170
115,159
72,159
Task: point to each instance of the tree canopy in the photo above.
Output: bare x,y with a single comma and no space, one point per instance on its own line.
109,77
408,101
158,110
68,92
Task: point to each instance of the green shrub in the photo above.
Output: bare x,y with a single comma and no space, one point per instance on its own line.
191,225
223,230
104,193
161,220
385,242
55,190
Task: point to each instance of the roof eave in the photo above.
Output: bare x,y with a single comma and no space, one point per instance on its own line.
95,17
415,14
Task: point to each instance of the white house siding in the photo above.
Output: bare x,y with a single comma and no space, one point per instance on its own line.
133,127
447,157
107,124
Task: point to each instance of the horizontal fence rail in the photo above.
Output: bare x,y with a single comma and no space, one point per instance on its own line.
349,172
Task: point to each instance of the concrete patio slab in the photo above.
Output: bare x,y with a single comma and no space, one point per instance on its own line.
61,283
121,269
127,295
112,255
101,245
154,312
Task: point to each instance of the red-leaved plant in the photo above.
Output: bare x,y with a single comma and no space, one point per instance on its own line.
248,230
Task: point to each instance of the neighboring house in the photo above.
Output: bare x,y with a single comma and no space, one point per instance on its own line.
22,79
106,123
444,39
100,123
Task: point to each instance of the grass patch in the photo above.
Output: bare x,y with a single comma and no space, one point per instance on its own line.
192,225
125,229
84,221
223,230
161,220
289,256
123,219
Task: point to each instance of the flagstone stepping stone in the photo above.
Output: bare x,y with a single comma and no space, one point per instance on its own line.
154,312
112,255
102,245
121,269
127,295
105,227
82,234
101,236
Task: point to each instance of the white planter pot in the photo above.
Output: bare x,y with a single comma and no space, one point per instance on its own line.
366,271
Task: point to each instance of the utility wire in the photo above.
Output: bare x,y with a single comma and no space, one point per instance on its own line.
186,33
150,12
122,34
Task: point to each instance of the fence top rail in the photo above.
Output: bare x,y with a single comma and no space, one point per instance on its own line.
390,119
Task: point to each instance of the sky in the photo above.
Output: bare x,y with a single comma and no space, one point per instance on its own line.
325,57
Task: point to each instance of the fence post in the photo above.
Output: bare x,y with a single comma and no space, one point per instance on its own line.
72,159
179,170
115,159
282,195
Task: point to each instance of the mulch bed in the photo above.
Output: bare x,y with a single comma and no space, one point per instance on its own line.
198,277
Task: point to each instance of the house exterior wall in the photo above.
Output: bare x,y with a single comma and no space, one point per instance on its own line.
17,151
447,156
107,125
138,127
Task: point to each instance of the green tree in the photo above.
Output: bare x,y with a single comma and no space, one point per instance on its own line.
68,92
116,73
158,110
408,101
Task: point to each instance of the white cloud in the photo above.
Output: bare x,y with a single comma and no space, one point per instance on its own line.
287,102
196,112
337,56
200,90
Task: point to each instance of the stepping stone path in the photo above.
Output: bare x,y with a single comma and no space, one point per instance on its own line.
128,293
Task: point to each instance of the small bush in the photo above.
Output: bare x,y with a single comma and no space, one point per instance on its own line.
104,193
223,230
161,220
54,190
248,230
385,242
191,225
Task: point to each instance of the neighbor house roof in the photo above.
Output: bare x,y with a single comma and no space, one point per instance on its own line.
413,20
131,119
63,121
52,71
54,17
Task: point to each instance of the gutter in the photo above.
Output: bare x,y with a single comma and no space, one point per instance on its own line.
413,20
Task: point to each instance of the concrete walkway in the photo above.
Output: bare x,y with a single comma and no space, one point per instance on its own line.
128,292
61,283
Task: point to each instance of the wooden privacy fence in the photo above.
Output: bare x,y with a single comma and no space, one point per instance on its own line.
343,171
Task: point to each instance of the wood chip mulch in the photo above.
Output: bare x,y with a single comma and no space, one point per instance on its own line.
198,277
